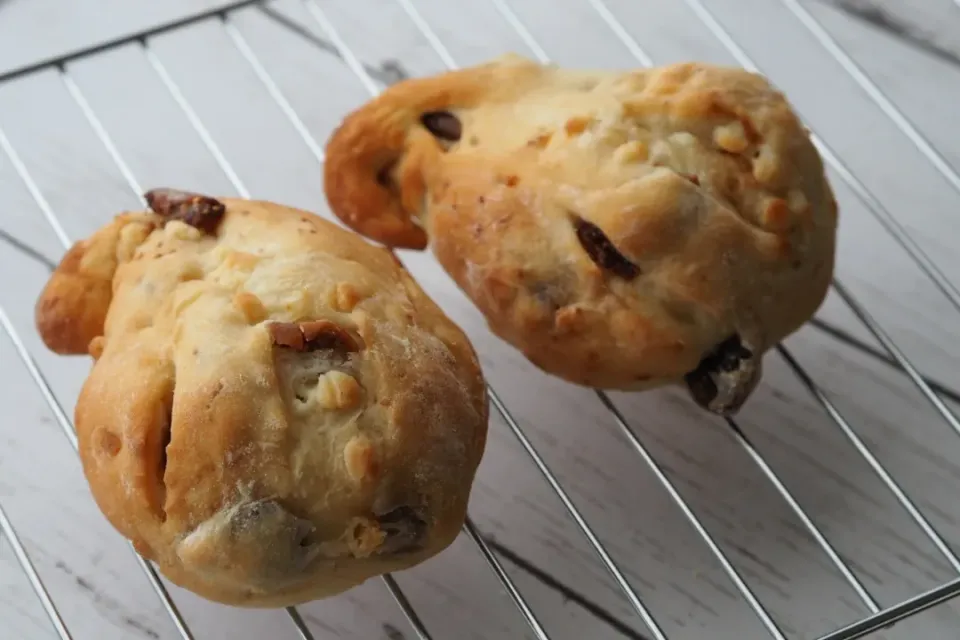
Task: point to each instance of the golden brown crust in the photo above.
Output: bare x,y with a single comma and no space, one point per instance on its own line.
618,228
277,412
71,310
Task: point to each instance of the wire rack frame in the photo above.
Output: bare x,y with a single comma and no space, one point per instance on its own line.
878,618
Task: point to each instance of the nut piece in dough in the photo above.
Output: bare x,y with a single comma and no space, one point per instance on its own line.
617,227
337,390
238,422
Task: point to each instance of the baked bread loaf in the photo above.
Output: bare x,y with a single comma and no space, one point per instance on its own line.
624,230
277,412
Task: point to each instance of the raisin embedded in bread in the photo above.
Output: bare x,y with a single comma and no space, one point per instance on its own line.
277,411
624,230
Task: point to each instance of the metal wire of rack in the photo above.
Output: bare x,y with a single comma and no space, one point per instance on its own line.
879,617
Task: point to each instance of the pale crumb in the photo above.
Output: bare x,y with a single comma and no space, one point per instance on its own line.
337,390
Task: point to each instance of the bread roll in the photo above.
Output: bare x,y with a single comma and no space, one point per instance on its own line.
277,412
624,230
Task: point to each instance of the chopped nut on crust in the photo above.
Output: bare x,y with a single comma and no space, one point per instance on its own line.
731,137
576,126
633,151
360,459
346,297
250,306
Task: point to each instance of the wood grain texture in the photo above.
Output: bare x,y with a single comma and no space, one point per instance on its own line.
33,30
92,574
926,25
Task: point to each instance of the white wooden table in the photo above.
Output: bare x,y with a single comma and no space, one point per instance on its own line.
93,577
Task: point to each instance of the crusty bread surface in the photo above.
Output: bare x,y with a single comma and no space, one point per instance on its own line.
623,229
277,411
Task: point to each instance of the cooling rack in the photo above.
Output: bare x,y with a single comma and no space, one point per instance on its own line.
937,396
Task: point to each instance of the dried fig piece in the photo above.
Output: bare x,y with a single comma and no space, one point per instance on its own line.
269,517
443,125
258,543
404,528
725,377
601,250
196,210
314,335
323,334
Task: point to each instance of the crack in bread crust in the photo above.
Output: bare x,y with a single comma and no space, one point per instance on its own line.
277,412
708,207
